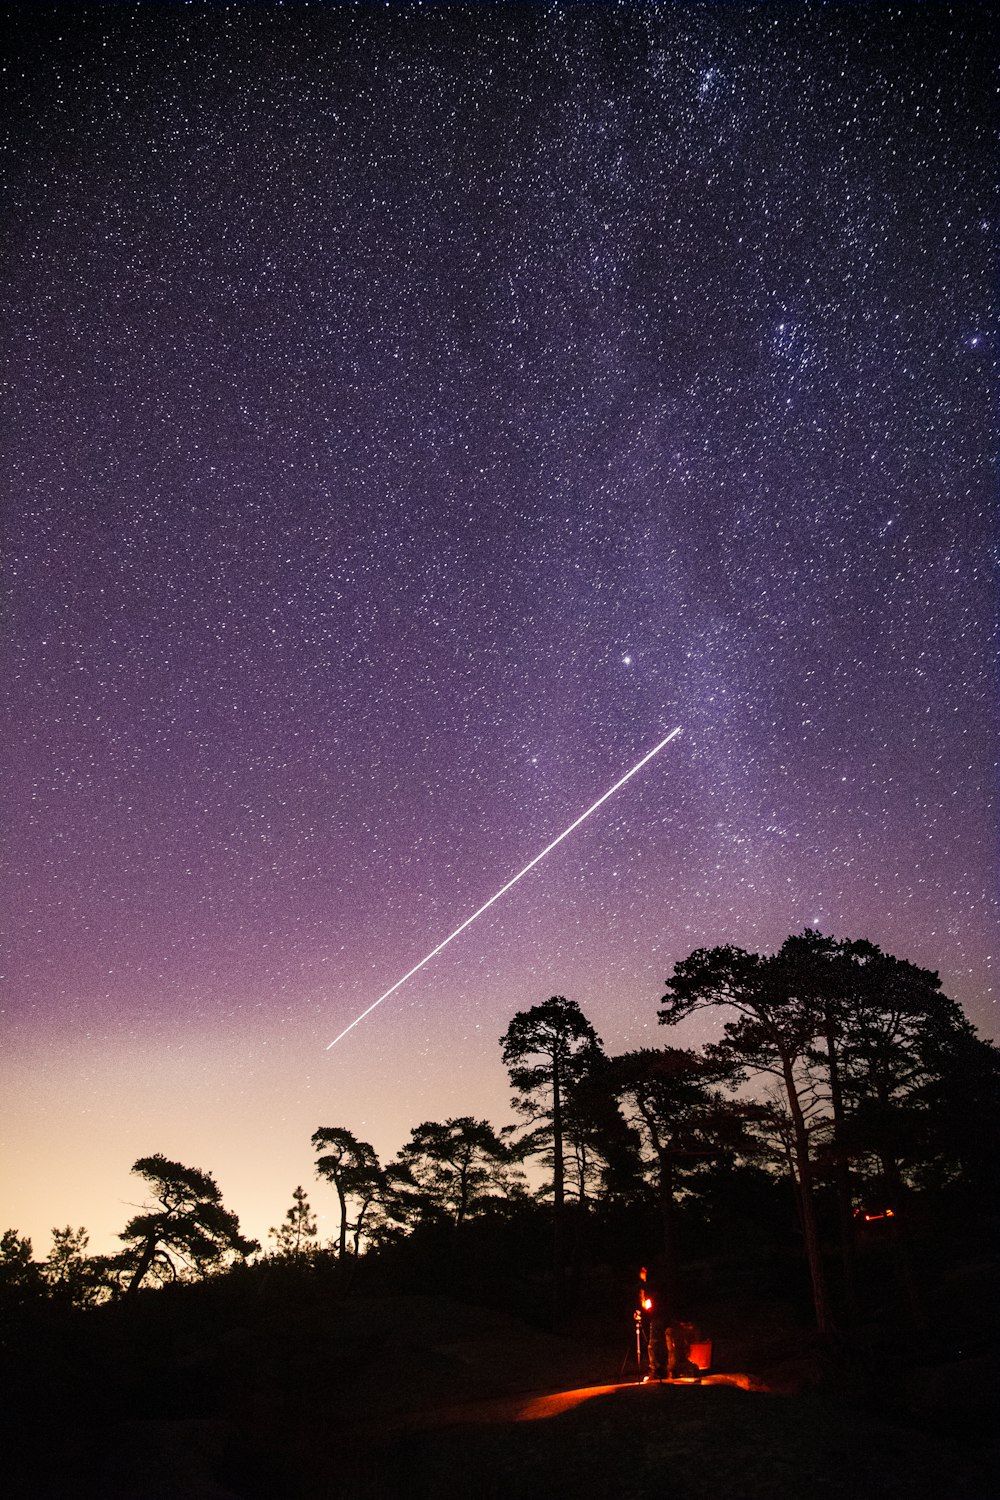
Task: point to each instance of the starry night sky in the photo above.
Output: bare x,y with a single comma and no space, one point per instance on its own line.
411,415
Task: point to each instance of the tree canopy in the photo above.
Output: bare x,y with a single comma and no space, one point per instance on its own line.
352,1166
450,1169
841,1083
296,1234
186,1221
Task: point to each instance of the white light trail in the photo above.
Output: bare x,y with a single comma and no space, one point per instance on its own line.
505,888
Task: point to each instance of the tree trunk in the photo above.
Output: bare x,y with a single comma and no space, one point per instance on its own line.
899,1240
668,1216
145,1261
463,1195
807,1207
342,1199
558,1167
842,1170
668,1210
558,1194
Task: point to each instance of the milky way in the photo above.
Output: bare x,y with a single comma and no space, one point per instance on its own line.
409,413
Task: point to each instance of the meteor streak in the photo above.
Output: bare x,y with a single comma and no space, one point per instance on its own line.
505,888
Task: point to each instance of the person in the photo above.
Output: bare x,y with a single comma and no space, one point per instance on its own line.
669,1336
680,1335
655,1307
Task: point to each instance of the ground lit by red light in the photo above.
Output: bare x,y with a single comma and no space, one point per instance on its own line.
552,1406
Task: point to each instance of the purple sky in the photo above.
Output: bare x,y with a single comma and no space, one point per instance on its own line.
410,417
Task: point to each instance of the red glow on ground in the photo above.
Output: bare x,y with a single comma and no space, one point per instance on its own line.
552,1406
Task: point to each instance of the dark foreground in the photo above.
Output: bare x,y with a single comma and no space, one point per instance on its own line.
697,1443
630,1443
403,1397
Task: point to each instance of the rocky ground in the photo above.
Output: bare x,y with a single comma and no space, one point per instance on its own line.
419,1396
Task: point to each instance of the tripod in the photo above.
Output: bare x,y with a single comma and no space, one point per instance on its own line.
639,1362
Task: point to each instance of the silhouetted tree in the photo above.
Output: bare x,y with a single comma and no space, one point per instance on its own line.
603,1151
16,1256
959,1124
673,1099
451,1167
352,1166
817,971
71,1275
186,1219
20,1276
775,1024
547,1050
881,1074
912,1078
904,1047
296,1234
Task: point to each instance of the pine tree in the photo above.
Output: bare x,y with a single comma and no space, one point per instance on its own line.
295,1236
